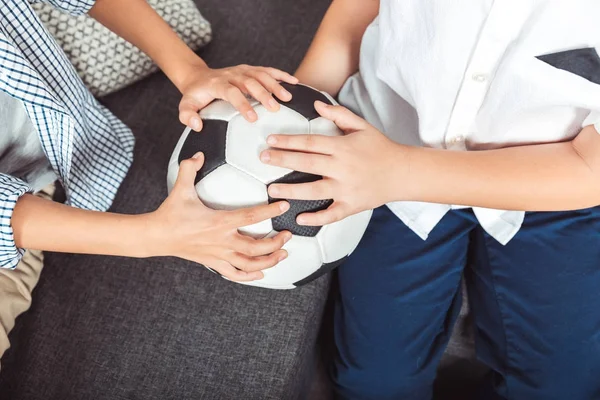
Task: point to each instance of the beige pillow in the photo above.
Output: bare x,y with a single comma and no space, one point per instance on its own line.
104,61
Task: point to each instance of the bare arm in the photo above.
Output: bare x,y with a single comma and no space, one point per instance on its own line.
182,226
138,23
42,224
545,177
333,55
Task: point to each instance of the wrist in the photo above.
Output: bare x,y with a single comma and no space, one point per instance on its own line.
404,184
149,236
190,66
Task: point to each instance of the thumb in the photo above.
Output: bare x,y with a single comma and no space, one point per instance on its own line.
188,169
345,119
188,112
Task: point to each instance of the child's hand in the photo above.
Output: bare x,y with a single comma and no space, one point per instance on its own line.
184,227
231,84
357,168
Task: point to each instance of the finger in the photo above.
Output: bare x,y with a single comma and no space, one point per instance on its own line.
258,91
271,84
237,99
187,173
305,162
228,271
320,144
260,247
253,215
334,213
188,113
280,75
318,190
345,119
252,264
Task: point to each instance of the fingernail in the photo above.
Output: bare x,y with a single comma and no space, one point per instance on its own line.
273,103
282,257
287,237
300,221
197,155
251,115
265,156
273,191
195,124
321,104
286,94
271,139
284,206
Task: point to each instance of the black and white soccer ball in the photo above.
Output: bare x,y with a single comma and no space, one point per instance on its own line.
233,177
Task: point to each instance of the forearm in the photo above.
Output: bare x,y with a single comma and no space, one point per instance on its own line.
46,225
139,24
547,177
334,53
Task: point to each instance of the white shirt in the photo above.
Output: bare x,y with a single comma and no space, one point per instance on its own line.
465,75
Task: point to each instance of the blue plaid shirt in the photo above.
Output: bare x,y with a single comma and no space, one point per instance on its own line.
89,148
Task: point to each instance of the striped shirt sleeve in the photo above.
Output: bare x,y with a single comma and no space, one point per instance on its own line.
11,189
74,7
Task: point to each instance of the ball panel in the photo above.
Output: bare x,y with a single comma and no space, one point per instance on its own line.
287,221
323,126
325,268
258,230
227,188
211,141
303,259
303,100
246,140
173,169
218,109
339,239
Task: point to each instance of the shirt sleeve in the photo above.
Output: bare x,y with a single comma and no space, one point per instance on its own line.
11,189
73,7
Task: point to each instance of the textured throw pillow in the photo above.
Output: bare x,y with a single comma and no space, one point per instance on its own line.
107,63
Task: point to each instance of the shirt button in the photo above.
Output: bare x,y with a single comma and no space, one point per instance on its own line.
479,77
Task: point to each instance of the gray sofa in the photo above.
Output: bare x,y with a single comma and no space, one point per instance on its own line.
108,328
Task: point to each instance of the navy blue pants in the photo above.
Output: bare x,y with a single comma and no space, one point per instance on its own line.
535,301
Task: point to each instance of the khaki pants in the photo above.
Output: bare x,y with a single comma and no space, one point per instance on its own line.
16,285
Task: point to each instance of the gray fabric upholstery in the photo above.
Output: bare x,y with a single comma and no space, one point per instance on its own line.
116,328
459,372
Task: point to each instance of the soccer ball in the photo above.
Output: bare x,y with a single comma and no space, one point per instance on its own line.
233,177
